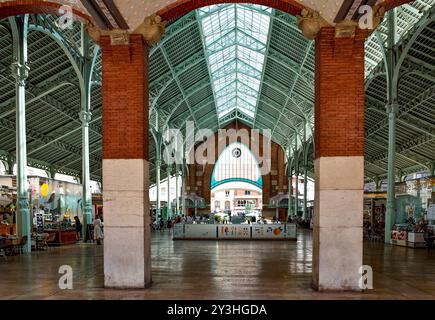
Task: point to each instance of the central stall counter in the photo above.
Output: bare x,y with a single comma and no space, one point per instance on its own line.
183,231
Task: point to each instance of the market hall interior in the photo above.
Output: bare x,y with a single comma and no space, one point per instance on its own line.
301,131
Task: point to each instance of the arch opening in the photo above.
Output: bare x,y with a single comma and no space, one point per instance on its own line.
236,182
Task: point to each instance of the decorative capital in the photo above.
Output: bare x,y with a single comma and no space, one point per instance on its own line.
20,73
152,29
94,32
23,203
85,117
310,22
378,16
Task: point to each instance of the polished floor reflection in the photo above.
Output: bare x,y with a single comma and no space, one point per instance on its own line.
217,270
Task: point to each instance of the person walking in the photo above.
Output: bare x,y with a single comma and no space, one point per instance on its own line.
98,229
78,228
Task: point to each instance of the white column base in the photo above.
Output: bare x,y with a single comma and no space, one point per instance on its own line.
338,221
127,244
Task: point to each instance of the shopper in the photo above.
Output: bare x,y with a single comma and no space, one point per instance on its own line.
78,228
98,229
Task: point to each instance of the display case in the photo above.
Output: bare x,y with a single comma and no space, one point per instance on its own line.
65,234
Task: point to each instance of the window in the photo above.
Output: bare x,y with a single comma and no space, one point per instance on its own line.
235,38
236,163
244,203
247,193
217,205
227,194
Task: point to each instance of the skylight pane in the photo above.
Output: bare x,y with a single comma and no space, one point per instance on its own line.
235,39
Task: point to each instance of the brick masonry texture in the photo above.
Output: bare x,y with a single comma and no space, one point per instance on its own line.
269,190
339,108
125,99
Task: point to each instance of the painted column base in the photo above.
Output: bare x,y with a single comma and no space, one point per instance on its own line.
127,246
338,221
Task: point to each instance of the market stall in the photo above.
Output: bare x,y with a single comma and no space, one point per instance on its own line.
64,233
8,196
375,204
414,220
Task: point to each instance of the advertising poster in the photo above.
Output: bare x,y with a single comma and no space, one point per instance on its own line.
234,231
268,231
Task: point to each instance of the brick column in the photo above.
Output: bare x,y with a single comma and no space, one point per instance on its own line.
339,161
127,256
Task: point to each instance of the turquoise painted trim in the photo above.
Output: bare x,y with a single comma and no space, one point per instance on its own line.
258,183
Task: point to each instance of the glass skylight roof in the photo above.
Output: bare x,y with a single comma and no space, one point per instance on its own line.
235,39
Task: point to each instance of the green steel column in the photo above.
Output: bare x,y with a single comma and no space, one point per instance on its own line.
86,181
158,138
392,109
86,116
432,173
305,154
158,165
297,189
290,193
183,192
20,71
169,192
305,213
391,197
177,200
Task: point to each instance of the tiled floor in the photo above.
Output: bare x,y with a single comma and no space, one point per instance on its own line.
217,270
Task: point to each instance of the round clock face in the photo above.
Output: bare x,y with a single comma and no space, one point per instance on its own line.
237,152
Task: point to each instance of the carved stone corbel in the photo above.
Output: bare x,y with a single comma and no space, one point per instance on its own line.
378,16
94,32
152,29
310,22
